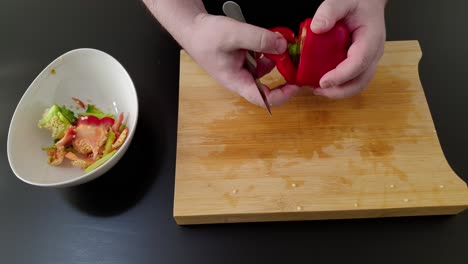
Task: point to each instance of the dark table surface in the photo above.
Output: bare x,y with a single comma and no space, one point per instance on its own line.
125,216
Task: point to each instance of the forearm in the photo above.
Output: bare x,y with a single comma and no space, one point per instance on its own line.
384,2
177,16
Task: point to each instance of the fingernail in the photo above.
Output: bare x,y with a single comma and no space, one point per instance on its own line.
327,85
317,91
281,44
317,23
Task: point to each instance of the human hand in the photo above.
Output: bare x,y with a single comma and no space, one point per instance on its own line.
218,44
365,19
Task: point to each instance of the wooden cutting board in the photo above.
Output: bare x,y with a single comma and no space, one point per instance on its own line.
374,155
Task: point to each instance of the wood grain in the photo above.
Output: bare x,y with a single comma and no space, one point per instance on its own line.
374,155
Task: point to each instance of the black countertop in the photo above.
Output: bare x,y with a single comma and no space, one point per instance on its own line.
125,216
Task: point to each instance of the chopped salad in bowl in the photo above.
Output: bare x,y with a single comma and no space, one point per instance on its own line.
57,140
87,138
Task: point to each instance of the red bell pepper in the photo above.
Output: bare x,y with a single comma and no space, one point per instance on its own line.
91,134
310,56
95,121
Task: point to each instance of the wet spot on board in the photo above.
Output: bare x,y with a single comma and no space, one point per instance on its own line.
345,181
376,148
281,202
242,142
358,102
290,164
380,152
231,198
291,183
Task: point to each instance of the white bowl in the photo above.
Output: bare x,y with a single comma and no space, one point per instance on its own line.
88,74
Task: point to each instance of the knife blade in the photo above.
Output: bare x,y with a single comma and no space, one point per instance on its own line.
232,9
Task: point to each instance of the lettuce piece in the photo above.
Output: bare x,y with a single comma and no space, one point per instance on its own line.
100,161
94,111
57,120
69,114
110,140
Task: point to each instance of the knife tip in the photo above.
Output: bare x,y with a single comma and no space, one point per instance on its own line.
269,111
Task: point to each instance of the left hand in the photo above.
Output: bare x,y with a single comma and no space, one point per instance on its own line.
218,44
365,19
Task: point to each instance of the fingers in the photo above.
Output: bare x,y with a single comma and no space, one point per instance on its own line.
350,88
275,98
366,48
237,35
245,86
280,96
328,13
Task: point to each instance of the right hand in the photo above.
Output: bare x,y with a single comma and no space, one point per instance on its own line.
218,44
366,19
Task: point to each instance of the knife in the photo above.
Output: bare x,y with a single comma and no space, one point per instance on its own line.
233,10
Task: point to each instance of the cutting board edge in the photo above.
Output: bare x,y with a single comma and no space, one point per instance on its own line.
318,215
431,115
409,41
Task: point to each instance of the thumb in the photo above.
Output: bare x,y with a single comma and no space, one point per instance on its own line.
246,36
328,13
